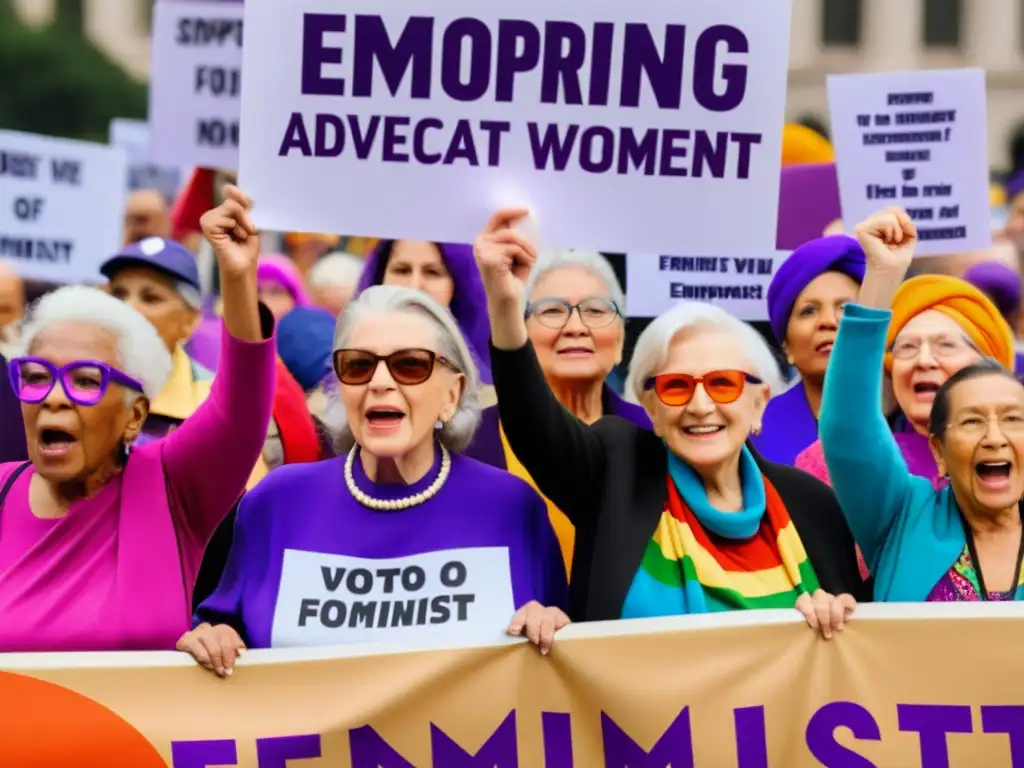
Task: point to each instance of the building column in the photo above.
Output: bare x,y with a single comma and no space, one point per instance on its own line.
805,34
992,34
892,34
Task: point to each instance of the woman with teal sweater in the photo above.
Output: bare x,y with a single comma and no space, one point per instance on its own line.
962,542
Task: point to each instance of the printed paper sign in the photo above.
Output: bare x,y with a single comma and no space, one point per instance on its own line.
133,137
610,120
336,599
738,285
916,140
195,82
61,206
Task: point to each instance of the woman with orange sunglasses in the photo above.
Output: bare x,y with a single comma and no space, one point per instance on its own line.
686,519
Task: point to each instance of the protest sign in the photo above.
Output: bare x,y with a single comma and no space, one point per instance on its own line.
133,137
61,206
655,283
751,689
330,599
407,124
916,140
195,82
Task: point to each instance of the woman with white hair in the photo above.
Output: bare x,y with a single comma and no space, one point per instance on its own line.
575,315
684,519
332,280
100,542
399,538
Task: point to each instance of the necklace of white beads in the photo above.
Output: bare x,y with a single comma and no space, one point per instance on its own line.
396,504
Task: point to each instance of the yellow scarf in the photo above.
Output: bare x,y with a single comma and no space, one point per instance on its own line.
563,528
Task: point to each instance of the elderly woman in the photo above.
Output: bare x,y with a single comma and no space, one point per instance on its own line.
281,285
333,279
446,273
100,542
686,519
386,542
955,543
575,318
159,278
805,301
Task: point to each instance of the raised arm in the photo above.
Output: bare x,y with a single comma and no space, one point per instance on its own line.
209,458
867,470
564,456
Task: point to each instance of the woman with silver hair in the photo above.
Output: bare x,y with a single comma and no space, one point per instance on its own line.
684,519
575,316
332,280
399,538
100,541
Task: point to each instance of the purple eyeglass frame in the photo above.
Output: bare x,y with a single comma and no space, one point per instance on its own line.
108,374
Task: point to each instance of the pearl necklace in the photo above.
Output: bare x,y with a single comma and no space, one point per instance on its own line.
397,504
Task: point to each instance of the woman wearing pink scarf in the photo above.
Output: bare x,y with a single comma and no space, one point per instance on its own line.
282,287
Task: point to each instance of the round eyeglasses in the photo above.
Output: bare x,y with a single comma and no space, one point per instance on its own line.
594,312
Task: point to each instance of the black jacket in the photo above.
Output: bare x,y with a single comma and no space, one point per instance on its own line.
609,480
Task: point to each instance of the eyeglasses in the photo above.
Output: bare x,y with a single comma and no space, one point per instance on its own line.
675,389
941,347
85,382
406,366
594,312
1008,423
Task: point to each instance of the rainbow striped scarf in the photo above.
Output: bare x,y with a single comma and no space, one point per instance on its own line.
758,562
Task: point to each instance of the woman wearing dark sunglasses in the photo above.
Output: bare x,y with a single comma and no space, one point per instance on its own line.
100,544
686,519
400,538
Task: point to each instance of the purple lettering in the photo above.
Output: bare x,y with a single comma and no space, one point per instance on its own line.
276,752
606,148
745,142
330,136
509,62
664,74
557,730
295,137
551,145
462,147
669,152
705,69
637,154
1008,719
601,63
821,740
479,59
393,140
315,54
494,129
751,737
363,141
712,155
932,722
562,67
675,747
369,750
501,749
413,49
419,140
200,754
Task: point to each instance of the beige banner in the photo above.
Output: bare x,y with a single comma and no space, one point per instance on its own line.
902,686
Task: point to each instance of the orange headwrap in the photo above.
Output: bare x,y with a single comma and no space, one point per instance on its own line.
804,146
972,310
298,239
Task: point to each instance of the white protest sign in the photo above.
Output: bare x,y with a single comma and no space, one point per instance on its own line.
337,599
195,83
61,206
612,121
916,140
133,137
738,285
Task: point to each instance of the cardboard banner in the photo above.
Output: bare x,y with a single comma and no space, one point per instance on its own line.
391,120
903,686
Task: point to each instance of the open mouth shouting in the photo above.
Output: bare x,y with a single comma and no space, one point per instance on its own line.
384,419
925,390
994,474
55,443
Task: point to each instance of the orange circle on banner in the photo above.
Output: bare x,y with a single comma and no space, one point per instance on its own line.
43,724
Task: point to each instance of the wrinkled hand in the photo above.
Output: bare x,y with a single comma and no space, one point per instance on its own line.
504,257
888,238
231,232
824,612
216,647
539,624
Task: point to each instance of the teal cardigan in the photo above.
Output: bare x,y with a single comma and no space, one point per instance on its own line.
910,533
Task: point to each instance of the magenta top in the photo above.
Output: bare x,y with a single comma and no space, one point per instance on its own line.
116,572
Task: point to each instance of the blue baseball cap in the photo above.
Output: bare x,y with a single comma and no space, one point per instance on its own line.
167,256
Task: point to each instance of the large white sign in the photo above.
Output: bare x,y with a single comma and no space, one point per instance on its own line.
133,137
644,125
917,140
336,599
195,82
61,206
739,285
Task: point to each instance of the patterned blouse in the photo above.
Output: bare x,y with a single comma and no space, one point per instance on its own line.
961,584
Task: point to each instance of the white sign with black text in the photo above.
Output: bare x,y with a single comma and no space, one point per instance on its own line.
61,205
465,594
195,84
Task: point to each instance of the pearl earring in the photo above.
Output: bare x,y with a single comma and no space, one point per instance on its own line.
439,424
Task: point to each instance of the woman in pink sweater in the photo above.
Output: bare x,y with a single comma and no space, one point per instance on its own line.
100,544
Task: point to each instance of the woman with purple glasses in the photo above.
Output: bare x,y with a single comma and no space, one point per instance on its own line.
100,544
